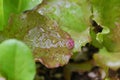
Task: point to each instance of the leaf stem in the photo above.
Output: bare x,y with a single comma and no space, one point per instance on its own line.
19,5
1,15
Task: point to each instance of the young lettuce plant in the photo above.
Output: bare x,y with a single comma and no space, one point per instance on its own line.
40,29
106,14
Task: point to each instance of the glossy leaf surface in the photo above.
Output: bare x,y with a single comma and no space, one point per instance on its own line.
16,61
51,45
72,15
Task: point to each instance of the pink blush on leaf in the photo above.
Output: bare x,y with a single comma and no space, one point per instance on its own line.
70,43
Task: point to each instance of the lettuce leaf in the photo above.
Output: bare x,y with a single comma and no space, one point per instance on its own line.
73,17
16,61
106,14
8,7
50,45
107,59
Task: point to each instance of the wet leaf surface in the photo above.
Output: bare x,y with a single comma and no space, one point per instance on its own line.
72,16
51,46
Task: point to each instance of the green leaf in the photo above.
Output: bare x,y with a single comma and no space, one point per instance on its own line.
106,14
16,61
95,41
107,59
72,15
51,45
98,38
8,7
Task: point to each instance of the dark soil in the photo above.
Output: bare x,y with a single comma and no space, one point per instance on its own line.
58,74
